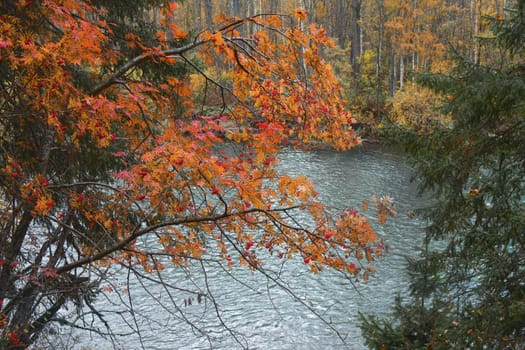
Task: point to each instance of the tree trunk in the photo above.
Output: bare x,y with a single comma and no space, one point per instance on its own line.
273,6
340,22
208,13
355,53
380,9
401,73
392,75
474,10
197,7
236,7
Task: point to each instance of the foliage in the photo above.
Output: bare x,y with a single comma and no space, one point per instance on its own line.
338,59
103,148
417,108
467,287
394,39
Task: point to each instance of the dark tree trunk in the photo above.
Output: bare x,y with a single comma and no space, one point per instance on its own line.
340,29
392,74
208,13
355,53
236,8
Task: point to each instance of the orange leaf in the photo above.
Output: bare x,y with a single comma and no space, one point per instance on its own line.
301,14
176,32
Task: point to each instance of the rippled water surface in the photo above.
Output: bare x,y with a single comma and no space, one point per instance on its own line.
258,314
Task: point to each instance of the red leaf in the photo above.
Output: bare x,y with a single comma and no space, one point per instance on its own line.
328,235
124,175
13,337
49,272
5,44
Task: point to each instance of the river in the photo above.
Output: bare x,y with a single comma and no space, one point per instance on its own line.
261,315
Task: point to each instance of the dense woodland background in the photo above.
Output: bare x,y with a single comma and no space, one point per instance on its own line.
381,45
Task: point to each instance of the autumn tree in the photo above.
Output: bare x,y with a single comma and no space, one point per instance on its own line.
104,148
466,289
396,38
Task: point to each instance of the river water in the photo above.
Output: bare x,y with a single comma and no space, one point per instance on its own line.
257,314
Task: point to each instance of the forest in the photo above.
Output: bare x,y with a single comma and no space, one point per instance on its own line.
140,139
380,46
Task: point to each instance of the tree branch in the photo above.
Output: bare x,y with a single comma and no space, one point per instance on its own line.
114,79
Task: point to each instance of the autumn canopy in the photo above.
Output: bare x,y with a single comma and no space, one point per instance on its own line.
105,141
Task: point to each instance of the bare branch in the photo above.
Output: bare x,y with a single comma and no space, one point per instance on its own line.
141,58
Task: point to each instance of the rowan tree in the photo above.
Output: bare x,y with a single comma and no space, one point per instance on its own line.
103,147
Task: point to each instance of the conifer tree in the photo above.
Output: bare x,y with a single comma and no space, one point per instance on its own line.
467,289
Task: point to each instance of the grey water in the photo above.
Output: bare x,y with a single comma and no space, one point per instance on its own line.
306,311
